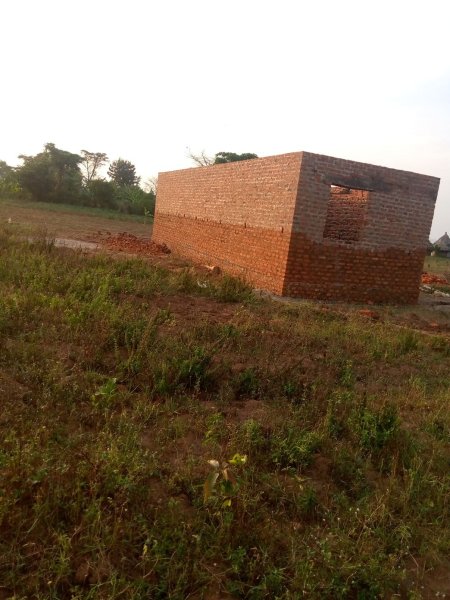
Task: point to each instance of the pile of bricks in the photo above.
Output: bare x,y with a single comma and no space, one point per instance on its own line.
428,278
126,242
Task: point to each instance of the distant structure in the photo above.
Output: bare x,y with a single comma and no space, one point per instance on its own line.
303,225
442,245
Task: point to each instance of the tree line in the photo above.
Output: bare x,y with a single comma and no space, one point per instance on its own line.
59,176
55,175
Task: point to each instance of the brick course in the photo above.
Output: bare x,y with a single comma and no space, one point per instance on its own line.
303,224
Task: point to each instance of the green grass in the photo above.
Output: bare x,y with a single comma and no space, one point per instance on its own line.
437,265
120,381
76,209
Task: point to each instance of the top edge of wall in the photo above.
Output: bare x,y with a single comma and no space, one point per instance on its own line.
300,154
248,160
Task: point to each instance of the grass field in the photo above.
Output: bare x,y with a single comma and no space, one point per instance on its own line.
121,380
437,264
73,222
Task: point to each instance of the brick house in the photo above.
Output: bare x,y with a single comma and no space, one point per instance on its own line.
303,225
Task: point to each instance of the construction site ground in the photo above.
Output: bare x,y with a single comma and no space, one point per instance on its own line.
122,236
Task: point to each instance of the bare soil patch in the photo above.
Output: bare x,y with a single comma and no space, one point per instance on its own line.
131,244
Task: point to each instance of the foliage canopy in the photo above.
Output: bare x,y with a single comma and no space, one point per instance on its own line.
203,160
123,172
227,157
53,175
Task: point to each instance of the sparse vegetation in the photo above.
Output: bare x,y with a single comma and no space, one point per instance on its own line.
120,380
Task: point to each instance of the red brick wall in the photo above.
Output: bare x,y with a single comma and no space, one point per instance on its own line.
346,213
385,262
237,216
272,221
256,193
256,254
328,272
400,206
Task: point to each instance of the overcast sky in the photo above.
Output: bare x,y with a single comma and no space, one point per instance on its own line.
144,80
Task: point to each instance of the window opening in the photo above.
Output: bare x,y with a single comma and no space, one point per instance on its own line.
346,212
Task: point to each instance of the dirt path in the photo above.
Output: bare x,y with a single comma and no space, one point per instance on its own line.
76,244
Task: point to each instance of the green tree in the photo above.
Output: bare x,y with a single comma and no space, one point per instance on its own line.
100,194
123,172
91,163
131,199
34,176
5,170
52,175
227,157
9,185
203,160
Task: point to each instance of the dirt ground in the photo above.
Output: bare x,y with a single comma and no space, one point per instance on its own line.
73,225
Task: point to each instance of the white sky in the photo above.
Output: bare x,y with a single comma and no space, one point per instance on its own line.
144,80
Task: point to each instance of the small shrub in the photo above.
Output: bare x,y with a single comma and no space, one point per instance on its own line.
347,377
297,392
185,282
232,289
190,372
336,421
407,341
293,448
100,194
105,395
133,200
438,428
216,429
348,472
252,437
307,503
375,429
441,344
193,371
223,481
247,384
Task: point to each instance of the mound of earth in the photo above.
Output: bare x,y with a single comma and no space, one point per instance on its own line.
129,243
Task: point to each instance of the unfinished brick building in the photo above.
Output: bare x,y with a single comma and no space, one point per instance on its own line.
303,224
